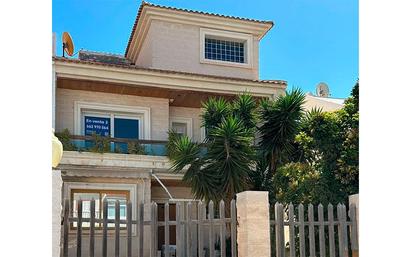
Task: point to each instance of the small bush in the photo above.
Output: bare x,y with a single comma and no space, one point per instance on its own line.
135,148
64,137
100,144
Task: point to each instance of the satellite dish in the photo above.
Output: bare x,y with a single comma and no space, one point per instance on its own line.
322,90
68,45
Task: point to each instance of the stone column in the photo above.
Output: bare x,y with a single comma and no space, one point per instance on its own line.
354,199
57,209
253,232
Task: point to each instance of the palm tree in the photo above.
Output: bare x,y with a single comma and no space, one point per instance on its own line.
227,161
280,124
219,167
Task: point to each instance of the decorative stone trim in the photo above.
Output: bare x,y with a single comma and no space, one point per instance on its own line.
115,160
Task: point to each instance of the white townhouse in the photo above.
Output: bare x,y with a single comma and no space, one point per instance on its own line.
174,60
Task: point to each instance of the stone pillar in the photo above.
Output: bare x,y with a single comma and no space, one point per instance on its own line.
354,199
57,211
253,232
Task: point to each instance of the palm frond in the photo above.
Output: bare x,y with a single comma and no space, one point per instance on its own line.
231,154
171,143
280,124
182,152
244,107
315,111
214,111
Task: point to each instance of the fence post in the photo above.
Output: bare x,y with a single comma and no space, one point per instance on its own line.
292,230
154,229
233,227
222,229
279,230
66,227
253,233
188,229
79,227
141,229
129,229
167,231
311,231
211,229
354,216
302,247
179,250
322,249
117,229
104,231
200,218
92,223
331,231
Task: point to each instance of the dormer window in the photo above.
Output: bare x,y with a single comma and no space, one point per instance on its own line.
225,48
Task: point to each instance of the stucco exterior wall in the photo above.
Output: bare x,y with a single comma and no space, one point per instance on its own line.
145,58
174,46
193,113
159,108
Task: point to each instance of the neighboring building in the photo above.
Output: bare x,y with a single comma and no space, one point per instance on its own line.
322,100
175,59
325,103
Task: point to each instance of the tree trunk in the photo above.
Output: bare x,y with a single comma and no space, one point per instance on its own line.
273,163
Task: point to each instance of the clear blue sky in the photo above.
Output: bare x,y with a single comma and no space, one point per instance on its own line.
312,40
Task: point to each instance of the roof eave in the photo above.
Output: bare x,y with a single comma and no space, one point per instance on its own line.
198,82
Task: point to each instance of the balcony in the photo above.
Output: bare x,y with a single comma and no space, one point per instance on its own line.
99,144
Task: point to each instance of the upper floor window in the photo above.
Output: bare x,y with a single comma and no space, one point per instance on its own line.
224,50
180,128
98,125
129,122
111,125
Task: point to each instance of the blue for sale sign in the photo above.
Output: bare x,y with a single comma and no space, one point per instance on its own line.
97,125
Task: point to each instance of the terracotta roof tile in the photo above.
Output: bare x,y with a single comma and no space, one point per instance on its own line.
129,66
184,10
103,57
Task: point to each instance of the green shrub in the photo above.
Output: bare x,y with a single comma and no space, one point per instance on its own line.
64,137
100,144
135,148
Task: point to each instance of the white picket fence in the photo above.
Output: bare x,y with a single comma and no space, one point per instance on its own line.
303,227
192,231
319,232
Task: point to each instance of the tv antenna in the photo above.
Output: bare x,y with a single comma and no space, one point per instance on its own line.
68,45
